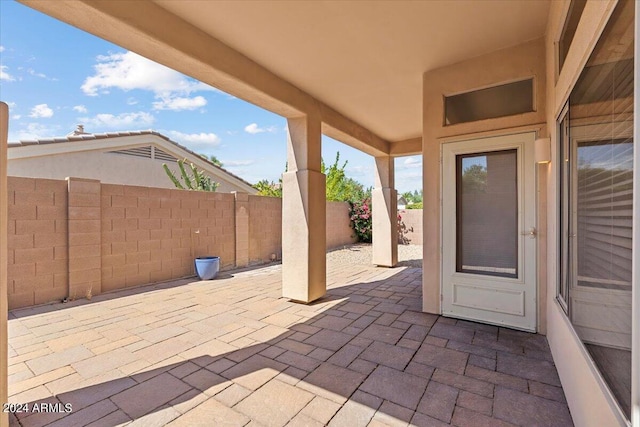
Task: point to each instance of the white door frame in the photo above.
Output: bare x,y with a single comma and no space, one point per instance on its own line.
503,301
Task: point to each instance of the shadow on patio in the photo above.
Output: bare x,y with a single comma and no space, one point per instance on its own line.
231,351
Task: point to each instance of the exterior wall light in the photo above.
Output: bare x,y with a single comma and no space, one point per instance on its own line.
543,150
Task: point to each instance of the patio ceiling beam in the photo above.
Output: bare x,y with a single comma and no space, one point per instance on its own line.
407,147
149,30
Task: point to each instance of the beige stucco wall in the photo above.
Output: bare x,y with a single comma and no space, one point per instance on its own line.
589,401
515,63
411,232
105,167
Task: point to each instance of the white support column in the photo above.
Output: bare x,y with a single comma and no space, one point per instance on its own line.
4,338
384,212
304,275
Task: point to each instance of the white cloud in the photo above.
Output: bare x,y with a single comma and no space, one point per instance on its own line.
11,104
180,103
253,129
234,163
33,131
412,162
1,48
195,140
128,121
359,171
4,75
129,71
41,111
80,109
34,73
132,101
16,117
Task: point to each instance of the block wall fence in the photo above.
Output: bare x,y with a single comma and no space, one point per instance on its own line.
78,238
411,232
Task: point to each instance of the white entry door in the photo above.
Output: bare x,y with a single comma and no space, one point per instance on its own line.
489,230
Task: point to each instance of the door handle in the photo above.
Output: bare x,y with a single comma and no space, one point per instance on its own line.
532,233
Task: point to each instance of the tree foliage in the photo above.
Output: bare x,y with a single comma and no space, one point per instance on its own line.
213,159
198,180
413,198
269,188
474,179
339,187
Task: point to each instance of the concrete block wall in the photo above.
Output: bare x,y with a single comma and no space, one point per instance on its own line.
242,229
153,234
265,228
339,231
37,241
412,230
84,237
78,238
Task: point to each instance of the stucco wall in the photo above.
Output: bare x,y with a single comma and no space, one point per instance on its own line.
411,226
77,237
101,166
515,63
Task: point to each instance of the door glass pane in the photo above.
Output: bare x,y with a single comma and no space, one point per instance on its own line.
487,213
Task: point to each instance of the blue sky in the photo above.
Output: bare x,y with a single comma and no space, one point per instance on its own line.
54,76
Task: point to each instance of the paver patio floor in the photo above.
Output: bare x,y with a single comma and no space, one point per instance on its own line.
233,352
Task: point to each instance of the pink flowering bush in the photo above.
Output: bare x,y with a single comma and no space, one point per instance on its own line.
403,231
360,214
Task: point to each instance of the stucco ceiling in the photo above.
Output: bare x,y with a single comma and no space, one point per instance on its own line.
365,58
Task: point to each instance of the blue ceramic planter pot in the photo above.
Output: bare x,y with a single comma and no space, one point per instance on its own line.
207,267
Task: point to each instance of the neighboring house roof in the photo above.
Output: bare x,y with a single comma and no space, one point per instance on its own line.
114,140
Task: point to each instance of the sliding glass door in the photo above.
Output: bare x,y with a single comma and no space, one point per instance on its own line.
595,171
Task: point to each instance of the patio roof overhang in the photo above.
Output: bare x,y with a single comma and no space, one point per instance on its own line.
357,66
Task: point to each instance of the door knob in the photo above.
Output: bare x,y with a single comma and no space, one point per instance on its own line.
532,233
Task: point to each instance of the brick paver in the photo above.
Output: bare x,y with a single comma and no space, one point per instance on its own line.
233,352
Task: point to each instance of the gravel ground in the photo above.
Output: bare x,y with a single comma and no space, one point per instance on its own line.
360,253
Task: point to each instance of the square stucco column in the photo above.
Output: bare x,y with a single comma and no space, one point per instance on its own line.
304,276
4,338
385,214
